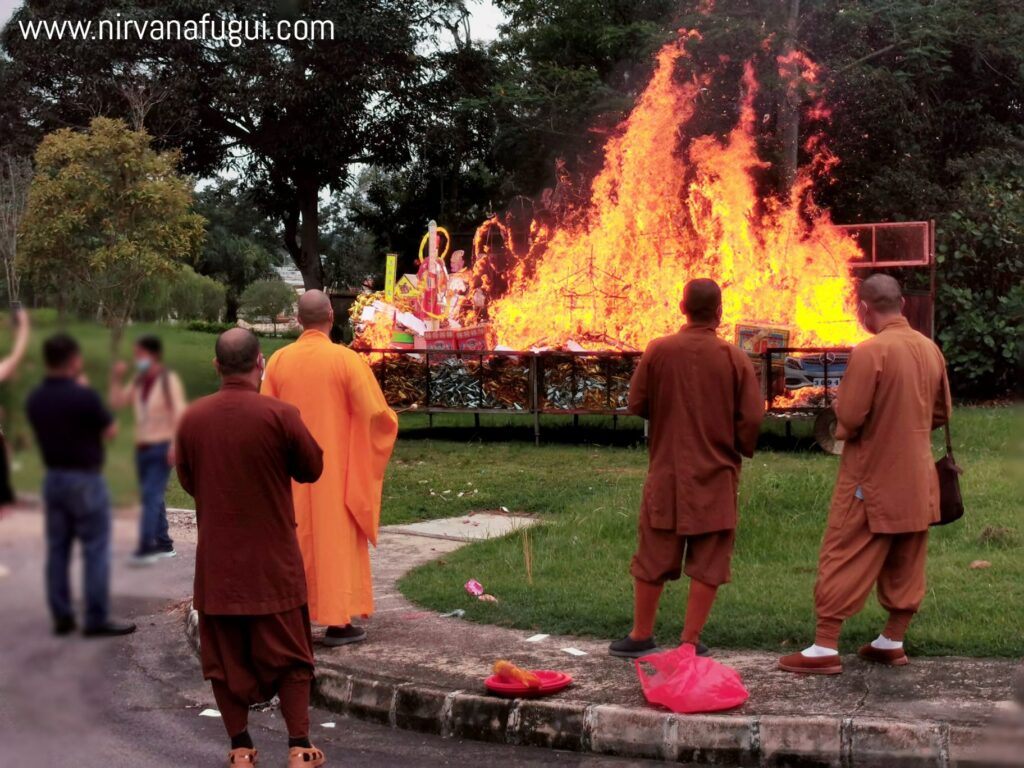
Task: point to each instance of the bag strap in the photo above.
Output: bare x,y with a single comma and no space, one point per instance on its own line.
949,416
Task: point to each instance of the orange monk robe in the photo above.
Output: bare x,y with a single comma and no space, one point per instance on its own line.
337,516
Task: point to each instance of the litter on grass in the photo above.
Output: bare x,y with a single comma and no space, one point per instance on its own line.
474,587
537,638
458,613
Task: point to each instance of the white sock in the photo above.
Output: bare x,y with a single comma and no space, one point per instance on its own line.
816,651
883,643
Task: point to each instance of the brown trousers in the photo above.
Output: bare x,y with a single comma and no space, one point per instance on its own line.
853,560
248,659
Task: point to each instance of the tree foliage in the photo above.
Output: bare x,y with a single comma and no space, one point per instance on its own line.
241,243
266,300
105,213
183,296
291,115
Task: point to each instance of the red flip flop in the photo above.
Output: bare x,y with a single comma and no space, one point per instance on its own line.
550,682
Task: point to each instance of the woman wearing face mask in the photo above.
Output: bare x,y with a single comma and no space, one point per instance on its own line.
158,401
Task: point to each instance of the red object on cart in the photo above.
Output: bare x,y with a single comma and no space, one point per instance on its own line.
550,682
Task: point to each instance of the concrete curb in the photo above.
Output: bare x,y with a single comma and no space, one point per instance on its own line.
733,740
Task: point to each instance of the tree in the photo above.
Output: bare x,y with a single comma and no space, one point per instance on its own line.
106,212
182,296
292,115
241,245
267,300
15,178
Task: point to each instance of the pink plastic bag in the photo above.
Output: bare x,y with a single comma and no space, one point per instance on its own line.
687,683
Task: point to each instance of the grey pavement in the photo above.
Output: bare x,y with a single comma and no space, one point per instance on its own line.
135,701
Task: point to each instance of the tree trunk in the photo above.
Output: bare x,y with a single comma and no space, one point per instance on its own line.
309,263
789,106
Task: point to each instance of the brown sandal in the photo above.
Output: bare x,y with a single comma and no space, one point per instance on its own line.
303,757
242,756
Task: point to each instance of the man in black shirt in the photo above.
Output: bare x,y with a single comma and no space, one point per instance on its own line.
71,423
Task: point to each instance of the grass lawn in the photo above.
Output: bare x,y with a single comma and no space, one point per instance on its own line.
589,496
188,352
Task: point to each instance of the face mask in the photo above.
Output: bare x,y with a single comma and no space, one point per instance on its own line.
143,364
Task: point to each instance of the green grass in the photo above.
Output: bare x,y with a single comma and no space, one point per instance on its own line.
589,497
188,352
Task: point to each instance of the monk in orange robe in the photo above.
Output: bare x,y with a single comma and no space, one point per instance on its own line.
337,516
894,393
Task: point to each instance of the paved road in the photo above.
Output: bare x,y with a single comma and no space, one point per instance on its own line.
136,701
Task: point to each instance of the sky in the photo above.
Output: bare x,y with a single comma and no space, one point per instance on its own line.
483,25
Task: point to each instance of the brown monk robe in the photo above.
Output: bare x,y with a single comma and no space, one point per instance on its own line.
893,395
237,455
702,399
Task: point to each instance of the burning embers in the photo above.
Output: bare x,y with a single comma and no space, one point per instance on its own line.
665,208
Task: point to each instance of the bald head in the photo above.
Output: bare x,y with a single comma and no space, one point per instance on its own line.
238,352
882,294
315,309
702,301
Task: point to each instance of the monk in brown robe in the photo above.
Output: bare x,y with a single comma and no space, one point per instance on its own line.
894,393
237,455
701,396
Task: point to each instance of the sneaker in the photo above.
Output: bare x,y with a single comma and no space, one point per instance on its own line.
165,554
143,559
811,665
109,629
338,636
628,648
64,626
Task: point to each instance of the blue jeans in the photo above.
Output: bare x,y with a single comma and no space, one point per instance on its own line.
77,507
153,472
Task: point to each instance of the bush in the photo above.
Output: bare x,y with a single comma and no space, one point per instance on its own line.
185,296
980,306
206,326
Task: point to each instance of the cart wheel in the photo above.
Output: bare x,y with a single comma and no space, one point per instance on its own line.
825,432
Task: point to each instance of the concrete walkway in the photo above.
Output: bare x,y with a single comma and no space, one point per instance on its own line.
424,672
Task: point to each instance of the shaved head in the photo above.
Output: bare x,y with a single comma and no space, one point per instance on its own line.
315,309
882,294
702,300
237,352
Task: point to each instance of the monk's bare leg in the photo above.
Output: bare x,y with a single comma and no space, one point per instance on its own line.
645,608
698,608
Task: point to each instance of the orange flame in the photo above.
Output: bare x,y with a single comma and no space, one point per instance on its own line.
659,216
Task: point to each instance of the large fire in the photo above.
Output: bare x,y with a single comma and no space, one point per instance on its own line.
667,208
